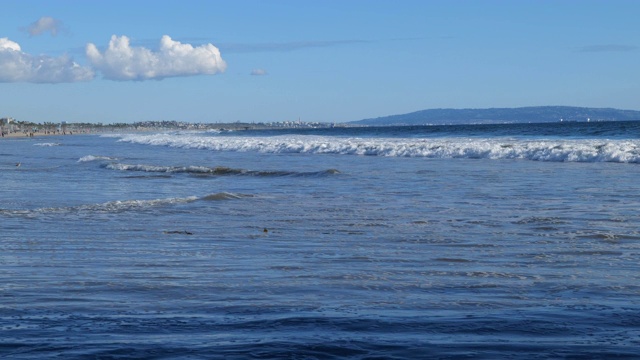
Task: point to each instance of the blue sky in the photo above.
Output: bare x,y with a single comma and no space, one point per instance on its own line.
329,61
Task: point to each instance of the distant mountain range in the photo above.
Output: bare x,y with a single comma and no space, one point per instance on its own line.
533,114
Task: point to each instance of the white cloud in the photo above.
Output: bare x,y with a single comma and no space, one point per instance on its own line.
120,61
258,72
6,44
44,24
17,66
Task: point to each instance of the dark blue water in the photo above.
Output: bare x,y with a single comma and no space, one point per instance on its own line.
604,129
343,243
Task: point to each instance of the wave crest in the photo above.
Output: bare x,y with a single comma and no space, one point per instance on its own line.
90,158
119,206
46,144
585,150
217,171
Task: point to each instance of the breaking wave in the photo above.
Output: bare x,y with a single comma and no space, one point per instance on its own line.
558,150
120,206
218,170
46,144
89,158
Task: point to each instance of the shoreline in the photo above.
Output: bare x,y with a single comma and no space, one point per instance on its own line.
21,135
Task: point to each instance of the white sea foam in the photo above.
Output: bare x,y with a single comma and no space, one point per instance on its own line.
89,158
574,150
107,207
172,169
219,170
46,144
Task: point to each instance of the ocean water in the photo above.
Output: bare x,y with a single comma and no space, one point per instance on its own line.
448,242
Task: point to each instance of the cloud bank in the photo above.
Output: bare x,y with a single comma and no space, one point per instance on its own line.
121,61
17,66
44,24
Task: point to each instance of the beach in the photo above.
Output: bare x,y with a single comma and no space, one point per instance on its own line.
22,134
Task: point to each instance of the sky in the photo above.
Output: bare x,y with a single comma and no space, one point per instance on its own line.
215,61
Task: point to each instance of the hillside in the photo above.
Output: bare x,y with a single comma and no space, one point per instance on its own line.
503,115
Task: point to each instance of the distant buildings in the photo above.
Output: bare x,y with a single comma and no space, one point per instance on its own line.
6,121
11,125
7,125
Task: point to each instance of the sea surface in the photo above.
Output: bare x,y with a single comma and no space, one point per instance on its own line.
513,241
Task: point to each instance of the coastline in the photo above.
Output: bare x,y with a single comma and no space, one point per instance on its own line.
19,135
23,135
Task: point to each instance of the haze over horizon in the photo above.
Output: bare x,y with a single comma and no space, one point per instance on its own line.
329,61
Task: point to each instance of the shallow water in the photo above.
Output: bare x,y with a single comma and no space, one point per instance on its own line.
114,249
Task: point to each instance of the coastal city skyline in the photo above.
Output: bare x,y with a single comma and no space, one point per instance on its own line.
329,61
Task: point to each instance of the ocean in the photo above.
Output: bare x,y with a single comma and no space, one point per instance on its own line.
448,242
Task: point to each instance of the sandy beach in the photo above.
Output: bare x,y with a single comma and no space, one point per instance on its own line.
14,135
21,134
